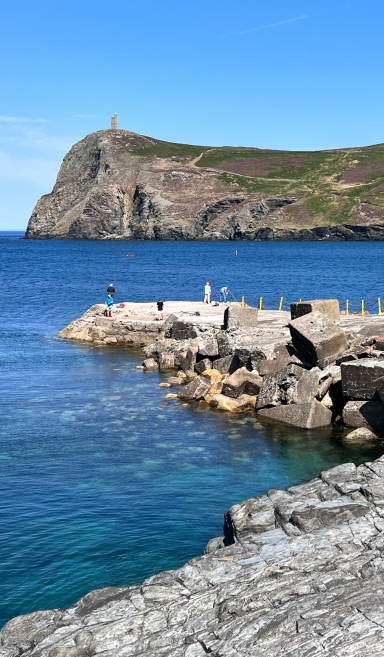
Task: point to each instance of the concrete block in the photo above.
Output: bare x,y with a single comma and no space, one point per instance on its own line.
209,348
291,385
269,366
183,330
227,365
363,378
240,317
328,307
150,364
240,382
187,360
203,365
318,339
166,362
369,414
310,415
196,389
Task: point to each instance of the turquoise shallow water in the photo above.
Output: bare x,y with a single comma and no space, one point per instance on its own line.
102,481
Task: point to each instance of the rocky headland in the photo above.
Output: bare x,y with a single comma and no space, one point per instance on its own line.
116,184
297,572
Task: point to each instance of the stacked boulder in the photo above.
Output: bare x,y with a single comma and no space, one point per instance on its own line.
306,376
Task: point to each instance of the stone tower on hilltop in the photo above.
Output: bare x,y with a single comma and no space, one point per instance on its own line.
114,122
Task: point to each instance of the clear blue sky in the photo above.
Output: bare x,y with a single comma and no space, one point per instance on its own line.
304,74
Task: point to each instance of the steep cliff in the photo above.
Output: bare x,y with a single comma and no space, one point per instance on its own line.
116,184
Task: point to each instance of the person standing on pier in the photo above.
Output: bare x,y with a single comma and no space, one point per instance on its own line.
109,302
160,307
111,290
207,293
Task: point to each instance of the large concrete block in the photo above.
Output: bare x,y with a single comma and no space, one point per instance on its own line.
269,366
242,381
363,378
369,414
196,389
318,339
328,307
227,365
166,361
291,385
209,348
187,360
203,365
240,317
310,415
183,330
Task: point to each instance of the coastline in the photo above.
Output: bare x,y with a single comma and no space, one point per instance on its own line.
287,558
295,577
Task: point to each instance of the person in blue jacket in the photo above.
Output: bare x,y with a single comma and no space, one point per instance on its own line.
109,302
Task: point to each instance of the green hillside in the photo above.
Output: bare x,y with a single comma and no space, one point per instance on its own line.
332,185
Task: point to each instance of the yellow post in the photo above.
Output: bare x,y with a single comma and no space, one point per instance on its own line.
379,300
281,303
347,308
242,302
300,300
261,303
362,307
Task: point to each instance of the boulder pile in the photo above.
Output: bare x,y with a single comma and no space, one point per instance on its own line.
306,374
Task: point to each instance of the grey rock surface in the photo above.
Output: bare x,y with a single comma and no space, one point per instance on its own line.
368,414
290,385
240,317
150,364
299,573
242,381
309,415
318,339
361,435
166,361
363,378
196,389
328,307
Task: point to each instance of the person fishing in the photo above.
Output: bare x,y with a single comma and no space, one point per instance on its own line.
224,293
111,290
207,293
109,302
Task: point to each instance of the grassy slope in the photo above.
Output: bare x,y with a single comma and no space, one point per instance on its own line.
331,184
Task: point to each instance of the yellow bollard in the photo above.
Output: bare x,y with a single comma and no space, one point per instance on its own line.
242,302
281,303
379,300
300,300
347,308
362,307
261,303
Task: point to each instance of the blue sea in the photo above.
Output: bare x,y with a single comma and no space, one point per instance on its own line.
102,480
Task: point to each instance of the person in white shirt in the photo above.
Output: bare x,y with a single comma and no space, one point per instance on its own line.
207,293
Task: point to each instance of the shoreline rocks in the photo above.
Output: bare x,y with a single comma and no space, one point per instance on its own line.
298,572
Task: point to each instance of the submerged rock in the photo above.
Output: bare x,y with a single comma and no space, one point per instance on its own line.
309,415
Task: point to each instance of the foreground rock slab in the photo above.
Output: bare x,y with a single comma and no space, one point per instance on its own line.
298,573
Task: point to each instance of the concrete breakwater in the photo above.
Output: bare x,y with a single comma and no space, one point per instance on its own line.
304,369
297,572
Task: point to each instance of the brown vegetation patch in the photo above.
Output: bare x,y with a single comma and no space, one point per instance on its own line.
361,174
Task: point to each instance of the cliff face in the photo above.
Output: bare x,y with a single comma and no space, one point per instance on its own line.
116,184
